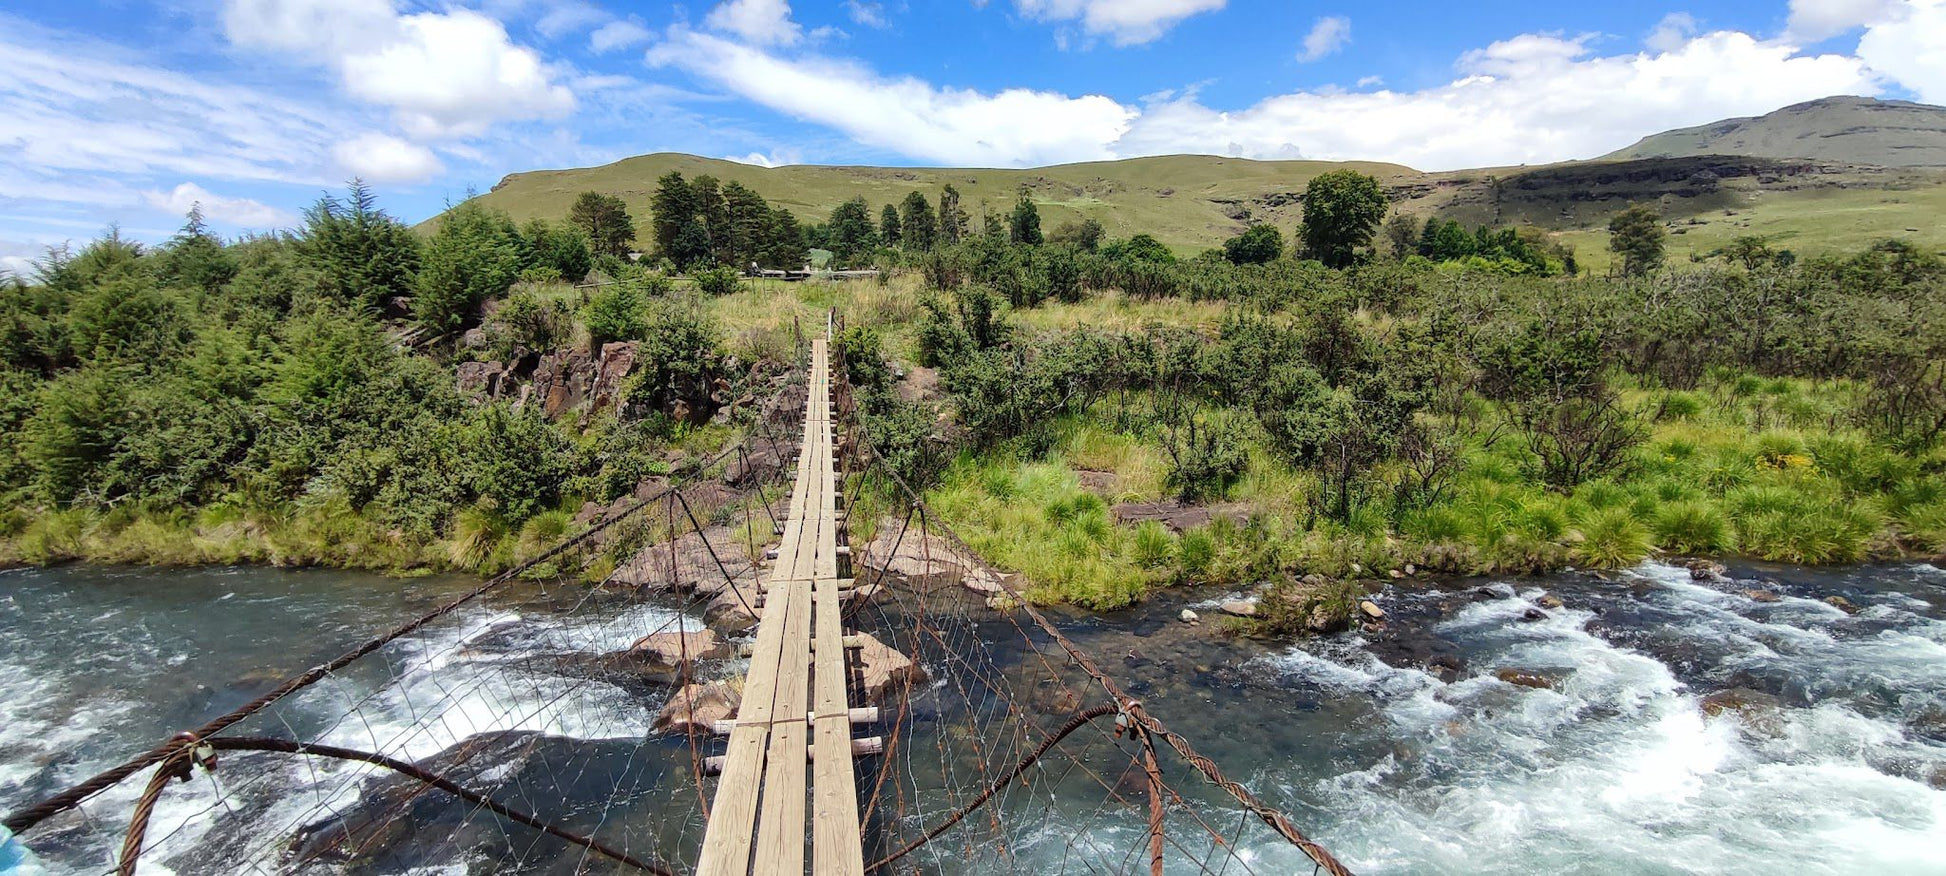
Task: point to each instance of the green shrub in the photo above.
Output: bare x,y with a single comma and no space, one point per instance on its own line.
1692,527
1612,538
1678,406
1207,456
1196,551
1925,526
719,281
1154,545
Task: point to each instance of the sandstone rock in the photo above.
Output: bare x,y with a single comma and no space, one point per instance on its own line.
1533,614
885,673
1240,607
730,614
674,647
1842,604
1549,600
614,364
1763,596
1371,609
662,658
474,339
561,381
482,379
693,708
1739,701
1524,679
1188,617
920,561
690,564
1396,574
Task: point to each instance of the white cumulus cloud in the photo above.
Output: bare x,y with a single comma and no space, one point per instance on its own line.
383,158
764,22
446,74
1326,37
1126,22
951,125
1533,98
1671,32
1814,20
1910,47
241,212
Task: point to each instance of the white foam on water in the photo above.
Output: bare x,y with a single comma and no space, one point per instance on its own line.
1618,769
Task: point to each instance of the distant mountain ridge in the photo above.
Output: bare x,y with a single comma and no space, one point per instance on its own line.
1850,130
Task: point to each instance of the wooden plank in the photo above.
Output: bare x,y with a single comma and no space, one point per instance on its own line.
836,849
730,834
780,828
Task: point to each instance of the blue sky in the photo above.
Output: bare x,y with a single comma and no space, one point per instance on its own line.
128,111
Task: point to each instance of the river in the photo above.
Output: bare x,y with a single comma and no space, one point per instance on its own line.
1403,750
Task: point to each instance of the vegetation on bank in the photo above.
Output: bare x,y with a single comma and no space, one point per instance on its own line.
1431,399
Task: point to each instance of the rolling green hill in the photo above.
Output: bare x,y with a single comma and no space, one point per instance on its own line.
1809,205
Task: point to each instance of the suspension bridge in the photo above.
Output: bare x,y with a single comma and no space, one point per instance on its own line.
829,763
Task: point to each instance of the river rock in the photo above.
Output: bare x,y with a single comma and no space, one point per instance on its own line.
1371,609
1524,679
696,706
691,565
885,673
1532,615
1176,515
1763,596
904,556
659,659
1188,617
733,610
1240,607
1549,600
1758,711
1842,604
1706,570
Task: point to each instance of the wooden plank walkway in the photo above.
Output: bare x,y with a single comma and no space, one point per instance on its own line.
794,701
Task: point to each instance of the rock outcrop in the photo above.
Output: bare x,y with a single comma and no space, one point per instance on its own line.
922,562
696,706
885,673
690,564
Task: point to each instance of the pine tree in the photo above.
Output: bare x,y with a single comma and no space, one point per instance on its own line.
605,220
919,227
750,222
363,256
889,226
1024,225
675,211
953,221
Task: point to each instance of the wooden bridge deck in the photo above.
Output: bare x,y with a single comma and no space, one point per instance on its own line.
795,707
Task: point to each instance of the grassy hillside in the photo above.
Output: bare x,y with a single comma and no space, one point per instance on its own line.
1853,130
1196,201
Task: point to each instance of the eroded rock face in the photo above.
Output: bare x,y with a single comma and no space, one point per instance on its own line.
886,673
696,706
923,562
484,380
614,364
690,564
1177,516
733,610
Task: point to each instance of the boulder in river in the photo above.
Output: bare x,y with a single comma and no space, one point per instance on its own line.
733,610
695,707
1523,678
885,673
695,562
659,659
1842,604
903,556
1707,570
1763,595
1371,609
1240,607
1549,600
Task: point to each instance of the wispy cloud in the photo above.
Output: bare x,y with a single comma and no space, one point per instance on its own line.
1326,37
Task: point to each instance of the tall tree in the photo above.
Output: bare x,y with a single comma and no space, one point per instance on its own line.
679,234
784,246
1084,235
852,233
749,218
953,221
1636,235
714,212
363,255
475,255
1024,224
605,219
1341,210
919,227
1402,232
889,229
